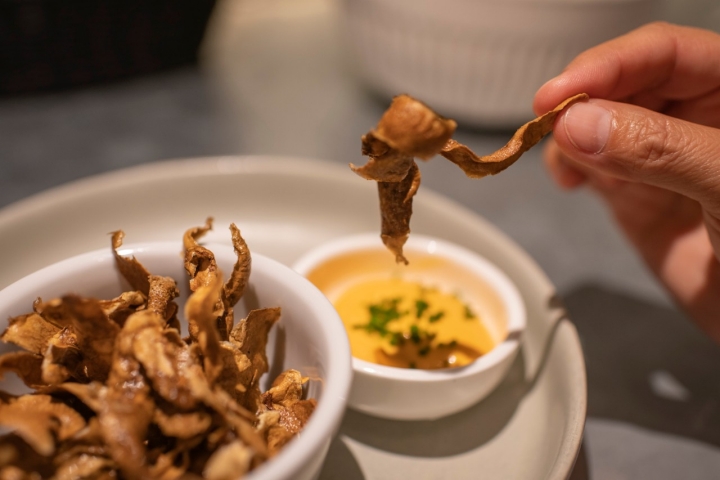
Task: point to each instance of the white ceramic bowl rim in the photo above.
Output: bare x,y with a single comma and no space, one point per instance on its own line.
336,388
498,280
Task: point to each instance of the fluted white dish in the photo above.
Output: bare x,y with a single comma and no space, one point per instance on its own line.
479,61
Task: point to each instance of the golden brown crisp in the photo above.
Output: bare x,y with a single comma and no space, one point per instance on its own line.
236,284
26,365
409,129
162,292
40,420
120,394
129,267
396,210
119,308
286,411
92,331
250,337
202,268
525,138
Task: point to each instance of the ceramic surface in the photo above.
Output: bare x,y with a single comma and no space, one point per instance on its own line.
285,207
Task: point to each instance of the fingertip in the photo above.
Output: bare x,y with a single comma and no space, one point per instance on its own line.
543,96
553,92
540,100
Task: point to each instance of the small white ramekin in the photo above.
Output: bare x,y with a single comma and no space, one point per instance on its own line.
411,394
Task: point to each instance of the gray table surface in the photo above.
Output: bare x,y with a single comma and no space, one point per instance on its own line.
278,81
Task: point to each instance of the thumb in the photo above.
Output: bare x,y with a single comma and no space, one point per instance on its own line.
632,143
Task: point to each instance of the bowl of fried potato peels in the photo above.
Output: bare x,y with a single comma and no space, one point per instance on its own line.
169,360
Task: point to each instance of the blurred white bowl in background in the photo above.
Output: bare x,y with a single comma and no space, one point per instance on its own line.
479,61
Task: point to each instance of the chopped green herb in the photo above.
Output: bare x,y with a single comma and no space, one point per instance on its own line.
424,351
396,339
436,317
415,334
469,314
420,307
380,315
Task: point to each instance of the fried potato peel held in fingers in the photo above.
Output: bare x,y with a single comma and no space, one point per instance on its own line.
410,129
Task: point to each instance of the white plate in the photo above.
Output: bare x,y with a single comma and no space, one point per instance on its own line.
529,428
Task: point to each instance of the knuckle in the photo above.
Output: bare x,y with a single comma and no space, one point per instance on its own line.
656,146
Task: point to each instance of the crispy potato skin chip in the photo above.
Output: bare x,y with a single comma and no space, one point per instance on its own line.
250,336
235,287
31,332
229,462
93,334
39,420
385,164
200,313
126,404
21,461
285,398
26,365
396,210
121,307
130,268
162,292
199,261
120,394
409,129
236,284
202,268
525,138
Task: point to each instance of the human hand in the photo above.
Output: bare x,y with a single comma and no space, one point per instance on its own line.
648,142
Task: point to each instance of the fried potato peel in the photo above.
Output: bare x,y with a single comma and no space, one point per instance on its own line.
410,129
525,138
119,393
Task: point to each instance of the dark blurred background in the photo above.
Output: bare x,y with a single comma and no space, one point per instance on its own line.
52,44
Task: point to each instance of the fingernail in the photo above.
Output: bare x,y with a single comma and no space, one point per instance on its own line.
587,125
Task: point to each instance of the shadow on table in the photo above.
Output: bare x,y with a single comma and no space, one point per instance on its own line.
449,435
437,438
581,471
647,364
340,463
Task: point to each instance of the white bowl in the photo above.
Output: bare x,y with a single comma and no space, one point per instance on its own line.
313,338
479,61
413,394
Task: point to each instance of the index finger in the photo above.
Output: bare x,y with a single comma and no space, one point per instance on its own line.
666,61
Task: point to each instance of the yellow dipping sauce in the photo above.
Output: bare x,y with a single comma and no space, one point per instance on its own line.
404,324
430,314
